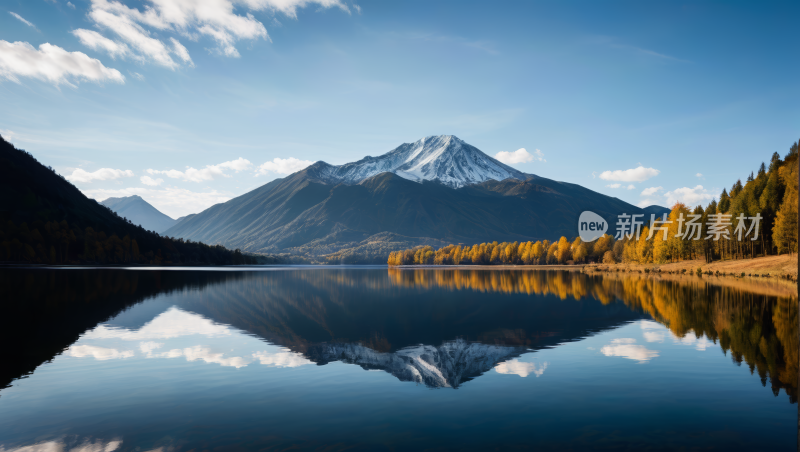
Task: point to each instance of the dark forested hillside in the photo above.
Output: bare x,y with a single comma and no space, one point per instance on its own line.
45,219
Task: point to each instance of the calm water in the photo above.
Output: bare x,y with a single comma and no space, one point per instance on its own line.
375,359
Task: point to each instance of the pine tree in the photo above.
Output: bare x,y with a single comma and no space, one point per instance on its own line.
724,202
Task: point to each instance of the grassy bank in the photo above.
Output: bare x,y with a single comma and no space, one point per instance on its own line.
783,266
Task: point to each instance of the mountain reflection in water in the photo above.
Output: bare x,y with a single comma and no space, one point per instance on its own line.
756,322
421,325
342,359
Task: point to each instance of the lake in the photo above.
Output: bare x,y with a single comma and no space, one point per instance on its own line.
321,358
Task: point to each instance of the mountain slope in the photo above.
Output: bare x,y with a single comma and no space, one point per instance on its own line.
44,219
655,209
313,211
140,212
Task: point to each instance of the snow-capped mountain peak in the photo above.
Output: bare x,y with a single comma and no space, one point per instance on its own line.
445,158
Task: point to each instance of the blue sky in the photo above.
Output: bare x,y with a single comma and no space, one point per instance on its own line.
675,89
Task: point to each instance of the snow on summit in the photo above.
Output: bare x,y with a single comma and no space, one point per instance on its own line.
445,158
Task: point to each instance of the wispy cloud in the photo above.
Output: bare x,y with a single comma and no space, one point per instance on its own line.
452,40
96,41
80,175
23,20
283,166
214,19
210,172
614,43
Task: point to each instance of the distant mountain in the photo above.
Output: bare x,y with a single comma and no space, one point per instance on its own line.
375,206
658,210
140,212
444,158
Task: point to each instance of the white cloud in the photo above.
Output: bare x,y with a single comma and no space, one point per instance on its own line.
96,41
51,63
519,156
281,359
283,166
700,343
516,367
653,336
98,353
23,20
191,18
653,332
147,180
148,347
698,175
630,187
210,172
171,323
639,174
200,353
70,5
133,34
137,76
173,201
688,196
614,185
627,348
651,191
80,175
289,7
181,51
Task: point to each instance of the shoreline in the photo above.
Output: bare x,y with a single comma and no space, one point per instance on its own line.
780,267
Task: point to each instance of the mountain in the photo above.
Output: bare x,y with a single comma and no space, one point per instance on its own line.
44,219
374,206
658,210
140,212
443,366
444,158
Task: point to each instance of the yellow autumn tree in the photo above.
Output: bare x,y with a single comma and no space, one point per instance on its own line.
784,233
563,250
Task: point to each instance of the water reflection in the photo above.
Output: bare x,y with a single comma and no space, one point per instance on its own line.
71,446
426,326
755,321
141,358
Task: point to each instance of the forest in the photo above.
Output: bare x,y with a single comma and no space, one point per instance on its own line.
770,192
44,219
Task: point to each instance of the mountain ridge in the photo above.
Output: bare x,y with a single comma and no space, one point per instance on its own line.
444,158
312,212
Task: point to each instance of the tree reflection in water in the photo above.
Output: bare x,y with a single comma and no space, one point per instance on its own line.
756,322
